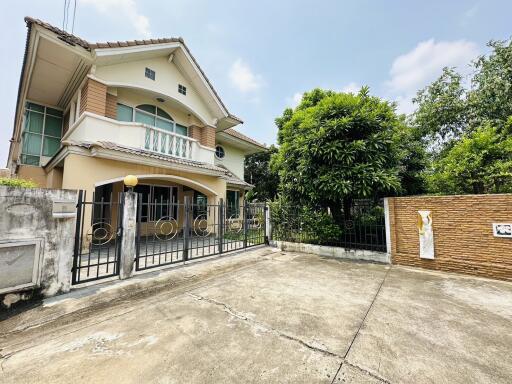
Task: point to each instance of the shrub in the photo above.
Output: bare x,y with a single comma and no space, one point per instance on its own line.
20,183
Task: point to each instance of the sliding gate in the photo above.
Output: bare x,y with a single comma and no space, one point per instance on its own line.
169,232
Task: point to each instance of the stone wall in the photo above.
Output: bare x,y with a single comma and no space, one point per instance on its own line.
463,233
26,218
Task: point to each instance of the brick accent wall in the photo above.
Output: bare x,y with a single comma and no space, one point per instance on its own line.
463,237
195,132
208,136
111,106
93,98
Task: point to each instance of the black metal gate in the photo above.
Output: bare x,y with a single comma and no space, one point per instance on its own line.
98,236
169,232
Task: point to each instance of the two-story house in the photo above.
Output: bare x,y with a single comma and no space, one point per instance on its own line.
88,114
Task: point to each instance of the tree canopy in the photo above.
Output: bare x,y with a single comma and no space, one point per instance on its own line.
259,173
336,147
466,125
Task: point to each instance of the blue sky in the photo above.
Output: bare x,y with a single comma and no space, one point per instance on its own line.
261,55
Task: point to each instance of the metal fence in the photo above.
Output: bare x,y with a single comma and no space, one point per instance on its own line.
363,227
169,232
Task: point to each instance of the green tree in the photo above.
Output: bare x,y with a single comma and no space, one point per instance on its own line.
467,129
337,147
259,173
481,162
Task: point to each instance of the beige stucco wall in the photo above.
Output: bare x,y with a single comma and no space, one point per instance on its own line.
84,172
233,160
166,82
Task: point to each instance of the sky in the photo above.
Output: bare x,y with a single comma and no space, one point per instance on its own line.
262,55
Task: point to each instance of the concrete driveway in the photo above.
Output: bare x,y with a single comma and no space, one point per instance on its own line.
268,317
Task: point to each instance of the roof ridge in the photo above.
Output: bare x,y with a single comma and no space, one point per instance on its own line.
75,40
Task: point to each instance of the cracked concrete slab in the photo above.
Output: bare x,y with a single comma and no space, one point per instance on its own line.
428,327
268,317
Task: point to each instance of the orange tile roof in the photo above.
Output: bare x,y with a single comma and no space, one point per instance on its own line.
74,40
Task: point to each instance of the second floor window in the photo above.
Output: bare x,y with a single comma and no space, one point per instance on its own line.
41,133
150,115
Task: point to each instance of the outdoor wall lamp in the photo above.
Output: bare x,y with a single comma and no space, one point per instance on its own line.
130,181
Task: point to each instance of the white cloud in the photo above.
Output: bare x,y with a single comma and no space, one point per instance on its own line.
125,9
417,68
294,100
244,78
351,88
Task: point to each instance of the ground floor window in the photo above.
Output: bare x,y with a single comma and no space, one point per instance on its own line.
200,204
232,203
157,202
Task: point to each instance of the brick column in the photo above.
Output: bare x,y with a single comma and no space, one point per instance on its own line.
195,132
93,98
111,106
208,136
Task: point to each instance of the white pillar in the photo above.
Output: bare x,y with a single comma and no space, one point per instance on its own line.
129,233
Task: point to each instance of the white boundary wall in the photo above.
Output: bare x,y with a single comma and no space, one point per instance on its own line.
336,252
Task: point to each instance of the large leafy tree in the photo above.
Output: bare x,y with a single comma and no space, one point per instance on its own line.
336,147
481,162
259,173
467,129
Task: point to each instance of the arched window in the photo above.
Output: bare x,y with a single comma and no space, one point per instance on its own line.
157,117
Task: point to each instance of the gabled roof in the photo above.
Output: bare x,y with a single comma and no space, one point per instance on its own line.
74,40
241,136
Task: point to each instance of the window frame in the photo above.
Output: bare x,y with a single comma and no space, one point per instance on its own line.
236,207
155,116
223,152
182,89
151,214
42,134
150,74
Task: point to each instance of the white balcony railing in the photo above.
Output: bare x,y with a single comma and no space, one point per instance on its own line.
90,127
168,143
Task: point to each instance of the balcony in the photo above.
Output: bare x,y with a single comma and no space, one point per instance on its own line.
92,128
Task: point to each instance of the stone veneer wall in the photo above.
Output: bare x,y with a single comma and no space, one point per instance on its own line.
463,235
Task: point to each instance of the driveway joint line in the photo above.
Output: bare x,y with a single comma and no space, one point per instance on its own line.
359,329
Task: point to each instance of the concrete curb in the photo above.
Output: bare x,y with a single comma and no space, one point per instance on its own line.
336,252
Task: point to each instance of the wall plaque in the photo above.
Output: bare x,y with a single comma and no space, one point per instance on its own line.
502,229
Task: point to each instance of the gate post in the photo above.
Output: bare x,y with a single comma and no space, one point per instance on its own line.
268,228
245,224
78,236
221,225
128,234
186,228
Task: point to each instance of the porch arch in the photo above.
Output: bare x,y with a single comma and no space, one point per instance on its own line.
200,187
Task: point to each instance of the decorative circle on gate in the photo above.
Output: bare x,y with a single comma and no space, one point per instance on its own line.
255,223
100,233
201,227
234,224
166,228
349,224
